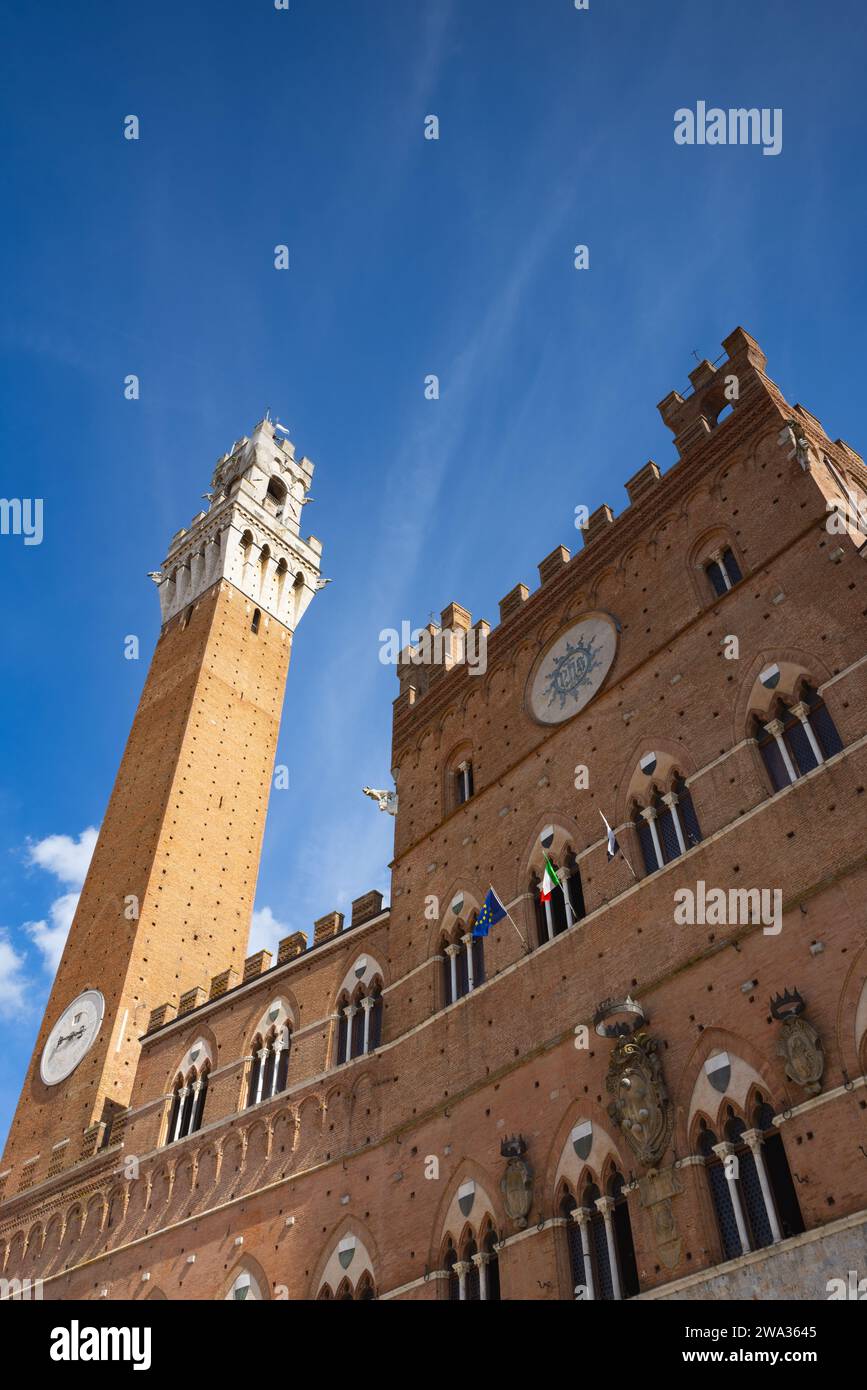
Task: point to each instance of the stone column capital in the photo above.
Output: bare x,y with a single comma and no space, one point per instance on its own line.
724,1150
775,728
754,1138
461,1268
605,1205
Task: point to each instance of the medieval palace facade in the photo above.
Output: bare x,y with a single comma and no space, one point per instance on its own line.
651,1084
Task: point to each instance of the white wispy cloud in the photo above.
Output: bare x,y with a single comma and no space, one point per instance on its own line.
265,931
67,859
49,935
13,982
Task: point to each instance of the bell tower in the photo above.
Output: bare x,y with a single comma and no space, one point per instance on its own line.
169,894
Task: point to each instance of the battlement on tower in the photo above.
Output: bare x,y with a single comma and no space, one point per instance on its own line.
707,421
250,533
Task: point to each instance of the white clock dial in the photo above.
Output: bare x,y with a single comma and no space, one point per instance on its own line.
71,1037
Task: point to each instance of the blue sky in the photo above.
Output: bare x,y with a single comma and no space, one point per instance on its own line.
407,257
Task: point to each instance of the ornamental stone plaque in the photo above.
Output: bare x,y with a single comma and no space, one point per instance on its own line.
572,669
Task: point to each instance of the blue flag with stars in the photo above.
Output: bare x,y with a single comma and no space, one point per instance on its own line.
492,912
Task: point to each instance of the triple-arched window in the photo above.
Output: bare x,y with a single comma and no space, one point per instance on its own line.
797,737
668,826
564,906
463,961
189,1094
599,1241
751,1187
269,1069
473,1269
359,1026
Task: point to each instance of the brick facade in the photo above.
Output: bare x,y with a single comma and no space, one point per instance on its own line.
376,1173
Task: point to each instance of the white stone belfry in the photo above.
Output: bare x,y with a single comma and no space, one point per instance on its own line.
250,533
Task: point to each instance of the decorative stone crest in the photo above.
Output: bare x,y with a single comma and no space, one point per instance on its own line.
516,1183
571,670
641,1106
799,1043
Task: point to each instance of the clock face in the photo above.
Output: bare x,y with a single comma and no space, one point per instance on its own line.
71,1037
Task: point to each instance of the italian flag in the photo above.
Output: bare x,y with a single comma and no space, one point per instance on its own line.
550,881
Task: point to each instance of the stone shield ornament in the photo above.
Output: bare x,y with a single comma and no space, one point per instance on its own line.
572,669
466,1197
641,1106
801,1049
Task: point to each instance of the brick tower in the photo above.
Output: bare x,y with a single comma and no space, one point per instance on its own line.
169,894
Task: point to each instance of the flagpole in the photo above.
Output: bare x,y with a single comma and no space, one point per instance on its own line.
509,915
613,834
629,867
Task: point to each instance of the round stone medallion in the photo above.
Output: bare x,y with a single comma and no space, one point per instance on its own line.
572,669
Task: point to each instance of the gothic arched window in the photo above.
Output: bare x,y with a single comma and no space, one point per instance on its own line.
723,572
668,827
565,906
797,738
188,1103
269,1068
359,1024
463,961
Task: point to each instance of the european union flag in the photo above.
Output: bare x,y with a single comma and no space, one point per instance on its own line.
492,912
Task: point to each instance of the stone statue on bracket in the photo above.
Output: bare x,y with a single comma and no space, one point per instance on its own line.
387,800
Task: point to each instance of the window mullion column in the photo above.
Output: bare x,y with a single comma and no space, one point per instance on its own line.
481,1261
606,1206
468,947
754,1139
803,713
179,1118
452,953
649,815
671,801
582,1216
367,1005
725,1152
775,729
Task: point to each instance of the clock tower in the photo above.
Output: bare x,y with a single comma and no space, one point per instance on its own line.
169,895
